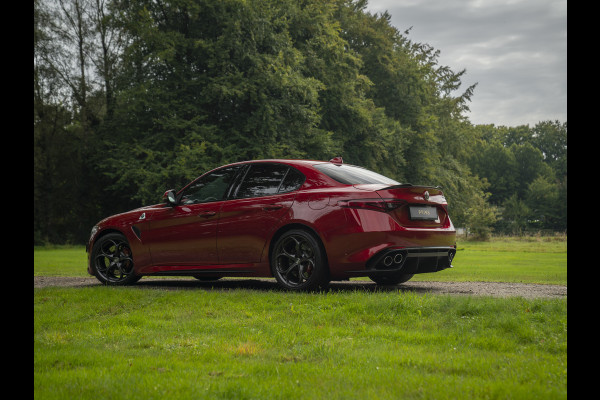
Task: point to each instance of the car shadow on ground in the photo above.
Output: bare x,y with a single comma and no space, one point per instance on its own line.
268,285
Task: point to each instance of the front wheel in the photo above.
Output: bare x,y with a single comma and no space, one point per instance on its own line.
395,279
298,262
112,260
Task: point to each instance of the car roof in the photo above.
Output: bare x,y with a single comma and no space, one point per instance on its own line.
290,161
304,166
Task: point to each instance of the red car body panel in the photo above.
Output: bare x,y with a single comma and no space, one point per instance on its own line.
234,237
246,224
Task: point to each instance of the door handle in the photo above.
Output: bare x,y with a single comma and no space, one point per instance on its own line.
273,207
207,214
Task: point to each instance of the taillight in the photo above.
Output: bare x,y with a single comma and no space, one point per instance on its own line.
373,204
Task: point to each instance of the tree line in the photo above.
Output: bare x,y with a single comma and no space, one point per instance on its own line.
132,98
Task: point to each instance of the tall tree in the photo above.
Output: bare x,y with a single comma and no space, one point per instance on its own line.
204,83
515,215
550,137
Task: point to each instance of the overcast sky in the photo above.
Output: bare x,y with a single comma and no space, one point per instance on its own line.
516,50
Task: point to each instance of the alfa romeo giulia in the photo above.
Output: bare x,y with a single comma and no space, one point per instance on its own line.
303,222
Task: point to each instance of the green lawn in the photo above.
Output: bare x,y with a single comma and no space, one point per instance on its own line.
150,343
138,343
527,260
60,261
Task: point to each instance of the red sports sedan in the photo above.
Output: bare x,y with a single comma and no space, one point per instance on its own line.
303,222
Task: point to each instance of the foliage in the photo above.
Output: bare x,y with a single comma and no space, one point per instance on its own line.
480,217
527,172
515,215
147,95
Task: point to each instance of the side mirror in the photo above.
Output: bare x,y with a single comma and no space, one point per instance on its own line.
170,198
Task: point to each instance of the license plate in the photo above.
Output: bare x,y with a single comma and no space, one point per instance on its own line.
423,212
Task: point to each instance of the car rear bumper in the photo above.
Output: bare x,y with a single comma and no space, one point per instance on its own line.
357,248
416,260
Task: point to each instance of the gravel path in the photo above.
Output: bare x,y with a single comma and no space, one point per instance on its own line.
497,289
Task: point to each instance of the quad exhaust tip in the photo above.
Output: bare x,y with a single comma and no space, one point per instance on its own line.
396,258
422,259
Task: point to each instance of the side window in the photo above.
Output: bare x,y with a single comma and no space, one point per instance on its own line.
292,181
211,187
262,180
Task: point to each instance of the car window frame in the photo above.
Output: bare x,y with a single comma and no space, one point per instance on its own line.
235,185
227,191
285,176
233,191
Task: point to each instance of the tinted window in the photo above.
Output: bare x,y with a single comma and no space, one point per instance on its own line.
292,181
262,180
211,187
351,175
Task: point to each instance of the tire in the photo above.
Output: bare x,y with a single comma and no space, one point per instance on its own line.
395,279
112,260
298,262
205,278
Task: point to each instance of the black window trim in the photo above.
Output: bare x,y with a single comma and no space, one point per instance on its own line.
238,183
285,176
283,179
226,197
240,173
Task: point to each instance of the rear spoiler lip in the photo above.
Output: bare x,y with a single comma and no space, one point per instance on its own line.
403,185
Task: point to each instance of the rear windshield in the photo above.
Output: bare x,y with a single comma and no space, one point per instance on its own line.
352,175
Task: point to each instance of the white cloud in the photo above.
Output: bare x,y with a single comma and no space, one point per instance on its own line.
515,49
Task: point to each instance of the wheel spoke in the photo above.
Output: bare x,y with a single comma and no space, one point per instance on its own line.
286,254
300,273
125,259
109,247
104,254
127,267
287,271
297,247
110,271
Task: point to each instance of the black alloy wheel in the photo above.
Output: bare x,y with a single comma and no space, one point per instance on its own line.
112,260
298,262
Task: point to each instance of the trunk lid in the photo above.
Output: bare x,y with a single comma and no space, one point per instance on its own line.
413,205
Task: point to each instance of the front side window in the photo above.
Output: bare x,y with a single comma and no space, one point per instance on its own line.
262,180
210,187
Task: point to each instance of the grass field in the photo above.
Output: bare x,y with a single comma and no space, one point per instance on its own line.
526,260
149,343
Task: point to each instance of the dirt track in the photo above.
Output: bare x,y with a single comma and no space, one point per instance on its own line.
497,289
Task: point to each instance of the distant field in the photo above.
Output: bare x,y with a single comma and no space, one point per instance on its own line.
526,260
60,261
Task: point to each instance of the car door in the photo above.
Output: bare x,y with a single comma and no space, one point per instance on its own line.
186,234
254,210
